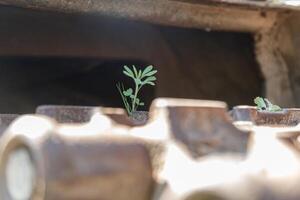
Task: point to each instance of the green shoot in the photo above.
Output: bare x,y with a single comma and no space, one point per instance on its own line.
120,87
129,96
265,104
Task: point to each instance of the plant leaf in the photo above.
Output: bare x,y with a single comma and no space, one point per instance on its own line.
125,102
132,96
141,103
147,69
149,79
268,103
265,104
271,107
137,101
151,73
260,103
128,70
135,71
138,81
128,92
140,74
275,108
150,83
128,74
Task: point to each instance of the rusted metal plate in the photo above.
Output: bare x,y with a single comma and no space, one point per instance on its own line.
204,127
287,117
80,5
251,4
219,15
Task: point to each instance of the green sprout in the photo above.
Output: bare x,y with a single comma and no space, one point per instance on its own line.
265,104
129,96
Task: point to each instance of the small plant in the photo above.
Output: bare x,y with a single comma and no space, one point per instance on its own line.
141,78
265,104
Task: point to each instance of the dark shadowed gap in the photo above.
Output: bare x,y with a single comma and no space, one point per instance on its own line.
213,65
29,82
76,59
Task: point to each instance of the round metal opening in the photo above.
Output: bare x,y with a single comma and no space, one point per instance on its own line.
19,174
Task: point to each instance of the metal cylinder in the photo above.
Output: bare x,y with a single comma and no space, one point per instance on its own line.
5,120
43,160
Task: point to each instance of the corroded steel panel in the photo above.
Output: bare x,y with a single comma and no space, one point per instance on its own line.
218,15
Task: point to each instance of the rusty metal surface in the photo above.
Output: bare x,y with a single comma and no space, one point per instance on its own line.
217,15
203,127
66,114
139,117
83,114
79,5
250,4
287,117
89,163
118,115
201,154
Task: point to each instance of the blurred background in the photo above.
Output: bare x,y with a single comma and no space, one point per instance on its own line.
76,57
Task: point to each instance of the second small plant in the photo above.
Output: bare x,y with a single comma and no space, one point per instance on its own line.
263,104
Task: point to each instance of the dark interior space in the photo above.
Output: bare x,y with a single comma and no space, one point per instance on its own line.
29,82
212,65
76,59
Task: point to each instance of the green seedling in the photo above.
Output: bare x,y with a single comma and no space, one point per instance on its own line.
266,105
140,77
